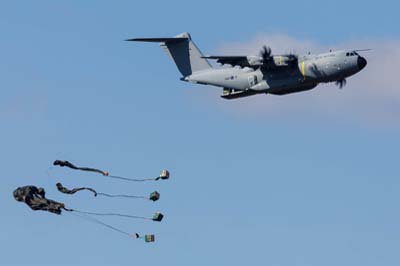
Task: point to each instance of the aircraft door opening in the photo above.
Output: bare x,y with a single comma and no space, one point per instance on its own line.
252,80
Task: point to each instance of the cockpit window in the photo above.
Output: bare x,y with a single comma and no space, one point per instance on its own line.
351,53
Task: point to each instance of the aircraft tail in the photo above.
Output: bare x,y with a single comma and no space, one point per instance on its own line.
183,51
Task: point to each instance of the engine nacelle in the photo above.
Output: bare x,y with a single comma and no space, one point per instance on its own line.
274,61
255,60
282,60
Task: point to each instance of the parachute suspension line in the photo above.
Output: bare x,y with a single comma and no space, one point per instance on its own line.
163,175
96,221
121,196
154,196
113,214
132,179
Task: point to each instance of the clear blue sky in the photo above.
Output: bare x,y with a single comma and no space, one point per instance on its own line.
294,191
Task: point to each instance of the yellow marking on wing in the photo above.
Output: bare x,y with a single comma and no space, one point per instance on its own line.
303,70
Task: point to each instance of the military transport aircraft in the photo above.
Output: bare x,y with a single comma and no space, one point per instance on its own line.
266,73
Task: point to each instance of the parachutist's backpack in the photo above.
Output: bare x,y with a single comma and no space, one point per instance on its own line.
154,196
164,174
157,217
149,238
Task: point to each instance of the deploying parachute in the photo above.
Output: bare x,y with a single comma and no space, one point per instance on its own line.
70,165
147,238
154,196
65,190
35,198
164,175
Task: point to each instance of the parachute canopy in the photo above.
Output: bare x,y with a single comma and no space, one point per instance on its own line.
65,190
72,166
35,198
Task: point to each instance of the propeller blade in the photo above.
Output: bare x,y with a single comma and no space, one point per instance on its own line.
293,57
341,83
265,53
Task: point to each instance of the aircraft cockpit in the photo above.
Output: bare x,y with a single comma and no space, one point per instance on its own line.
354,53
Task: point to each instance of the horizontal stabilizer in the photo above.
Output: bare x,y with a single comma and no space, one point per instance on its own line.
165,40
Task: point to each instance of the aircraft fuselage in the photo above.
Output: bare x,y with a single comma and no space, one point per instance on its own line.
307,74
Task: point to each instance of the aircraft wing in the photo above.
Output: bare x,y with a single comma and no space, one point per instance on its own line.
162,40
241,61
255,62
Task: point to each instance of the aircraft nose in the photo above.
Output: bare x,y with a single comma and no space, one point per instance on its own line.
361,62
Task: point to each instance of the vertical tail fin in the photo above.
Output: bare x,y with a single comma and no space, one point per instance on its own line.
182,50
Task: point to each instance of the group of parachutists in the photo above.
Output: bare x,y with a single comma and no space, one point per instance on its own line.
36,199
